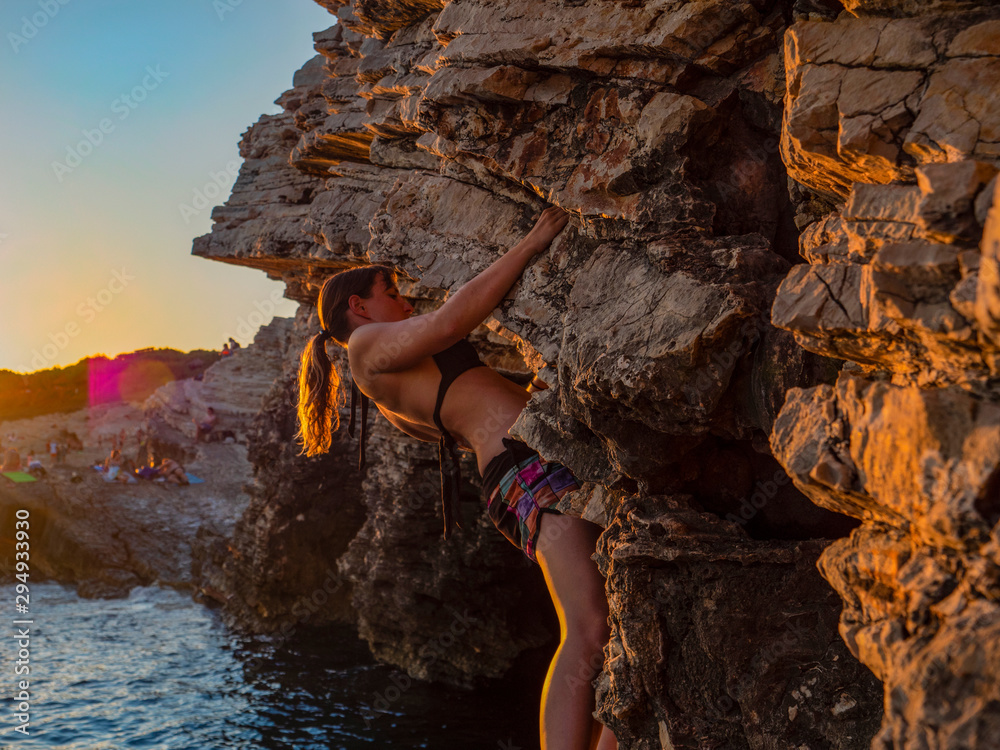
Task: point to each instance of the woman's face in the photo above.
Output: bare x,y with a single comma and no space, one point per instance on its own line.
386,304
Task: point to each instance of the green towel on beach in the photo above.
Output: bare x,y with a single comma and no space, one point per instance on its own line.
19,476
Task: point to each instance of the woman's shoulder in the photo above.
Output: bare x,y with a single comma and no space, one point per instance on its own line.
397,346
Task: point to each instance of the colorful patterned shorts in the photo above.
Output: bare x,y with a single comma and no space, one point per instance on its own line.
518,485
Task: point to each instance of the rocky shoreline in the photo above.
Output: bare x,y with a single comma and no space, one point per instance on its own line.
108,537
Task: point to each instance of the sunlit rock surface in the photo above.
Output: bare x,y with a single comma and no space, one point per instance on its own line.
891,115
759,191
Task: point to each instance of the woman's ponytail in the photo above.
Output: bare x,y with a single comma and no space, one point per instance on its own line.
319,381
318,414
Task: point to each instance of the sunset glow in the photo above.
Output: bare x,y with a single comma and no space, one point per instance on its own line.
121,130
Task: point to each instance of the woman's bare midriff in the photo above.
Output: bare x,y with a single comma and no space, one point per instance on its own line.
479,407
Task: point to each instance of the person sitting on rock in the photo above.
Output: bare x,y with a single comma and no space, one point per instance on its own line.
128,470
205,427
148,472
233,344
404,364
34,467
112,465
172,471
225,351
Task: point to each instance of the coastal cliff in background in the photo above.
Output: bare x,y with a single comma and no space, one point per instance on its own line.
769,199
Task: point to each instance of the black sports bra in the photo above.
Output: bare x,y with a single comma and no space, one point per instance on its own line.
452,362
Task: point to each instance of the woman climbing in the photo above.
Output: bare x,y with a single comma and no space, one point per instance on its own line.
427,380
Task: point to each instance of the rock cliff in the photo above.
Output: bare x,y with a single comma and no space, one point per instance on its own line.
770,333
890,115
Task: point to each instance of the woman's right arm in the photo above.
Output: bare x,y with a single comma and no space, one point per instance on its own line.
479,297
389,347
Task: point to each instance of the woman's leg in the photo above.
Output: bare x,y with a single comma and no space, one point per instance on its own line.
607,740
565,544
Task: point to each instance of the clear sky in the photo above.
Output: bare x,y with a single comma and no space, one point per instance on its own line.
114,115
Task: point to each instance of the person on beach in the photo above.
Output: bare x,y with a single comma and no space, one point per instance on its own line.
172,471
112,465
34,467
427,380
127,473
204,427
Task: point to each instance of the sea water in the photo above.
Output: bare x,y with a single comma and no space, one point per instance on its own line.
159,671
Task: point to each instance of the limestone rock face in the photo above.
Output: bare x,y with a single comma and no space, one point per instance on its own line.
670,319
710,637
261,223
871,99
890,115
886,290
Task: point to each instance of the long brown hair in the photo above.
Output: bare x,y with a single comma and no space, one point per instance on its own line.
319,381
